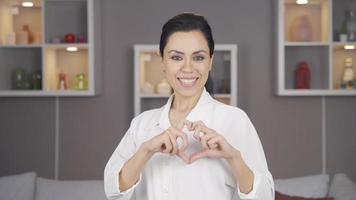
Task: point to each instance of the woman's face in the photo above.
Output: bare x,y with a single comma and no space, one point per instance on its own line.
187,62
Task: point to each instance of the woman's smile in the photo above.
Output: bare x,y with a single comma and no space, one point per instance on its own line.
187,82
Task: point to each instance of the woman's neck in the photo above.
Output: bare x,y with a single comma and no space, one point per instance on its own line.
183,104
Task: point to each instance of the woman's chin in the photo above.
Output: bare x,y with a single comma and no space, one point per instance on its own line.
188,92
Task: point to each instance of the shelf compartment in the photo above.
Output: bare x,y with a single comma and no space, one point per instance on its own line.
14,16
63,17
339,9
318,63
316,11
59,60
29,59
339,56
220,72
151,71
152,103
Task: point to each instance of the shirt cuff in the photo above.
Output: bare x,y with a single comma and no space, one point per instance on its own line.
253,193
129,190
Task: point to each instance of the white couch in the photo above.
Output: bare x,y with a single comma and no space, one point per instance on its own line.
28,186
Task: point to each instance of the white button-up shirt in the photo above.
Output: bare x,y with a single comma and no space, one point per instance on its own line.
167,177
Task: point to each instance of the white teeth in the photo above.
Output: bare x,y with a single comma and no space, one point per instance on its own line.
187,82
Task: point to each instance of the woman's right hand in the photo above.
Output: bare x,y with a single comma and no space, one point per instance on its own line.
166,142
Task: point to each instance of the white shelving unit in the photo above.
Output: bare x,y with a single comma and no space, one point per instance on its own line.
148,69
51,19
324,53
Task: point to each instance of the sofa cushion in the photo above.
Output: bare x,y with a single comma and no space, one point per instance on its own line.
69,190
315,186
342,188
18,187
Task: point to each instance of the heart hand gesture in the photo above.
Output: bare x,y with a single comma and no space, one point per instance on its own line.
214,145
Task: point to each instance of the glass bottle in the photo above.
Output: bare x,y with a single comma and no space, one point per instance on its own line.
351,25
348,75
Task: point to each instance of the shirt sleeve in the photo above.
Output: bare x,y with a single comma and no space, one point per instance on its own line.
254,156
123,152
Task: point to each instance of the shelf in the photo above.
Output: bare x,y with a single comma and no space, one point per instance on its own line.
324,53
50,19
316,13
154,96
21,46
318,93
306,43
65,45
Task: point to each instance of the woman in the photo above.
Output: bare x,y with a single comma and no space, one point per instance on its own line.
194,147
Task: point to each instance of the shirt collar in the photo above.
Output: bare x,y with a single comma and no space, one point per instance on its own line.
199,112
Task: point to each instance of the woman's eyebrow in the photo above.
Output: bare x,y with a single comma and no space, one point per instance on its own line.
179,52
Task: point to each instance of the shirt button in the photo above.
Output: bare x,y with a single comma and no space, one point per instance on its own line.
165,189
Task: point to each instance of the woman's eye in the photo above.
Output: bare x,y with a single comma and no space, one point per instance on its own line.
176,58
199,58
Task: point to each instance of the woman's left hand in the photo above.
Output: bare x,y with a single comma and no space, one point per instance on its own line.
214,145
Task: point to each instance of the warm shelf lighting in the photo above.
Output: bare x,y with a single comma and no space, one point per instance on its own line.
349,47
27,4
72,49
301,2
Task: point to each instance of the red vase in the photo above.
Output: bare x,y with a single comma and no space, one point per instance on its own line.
302,76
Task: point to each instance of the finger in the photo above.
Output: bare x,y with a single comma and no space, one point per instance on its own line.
167,145
174,144
199,155
202,127
198,134
214,142
183,123
183,156
181,136
204,140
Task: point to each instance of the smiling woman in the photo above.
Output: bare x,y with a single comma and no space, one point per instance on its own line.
194,147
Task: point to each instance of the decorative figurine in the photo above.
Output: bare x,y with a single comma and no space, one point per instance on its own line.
11,38
27,29
147,88
348,75
302,76
62,82
80,82
36,80
69,38
56,40
82,39
351,25
19,80
22,37
301,30
164,88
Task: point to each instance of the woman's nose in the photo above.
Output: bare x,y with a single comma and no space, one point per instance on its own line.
187,66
